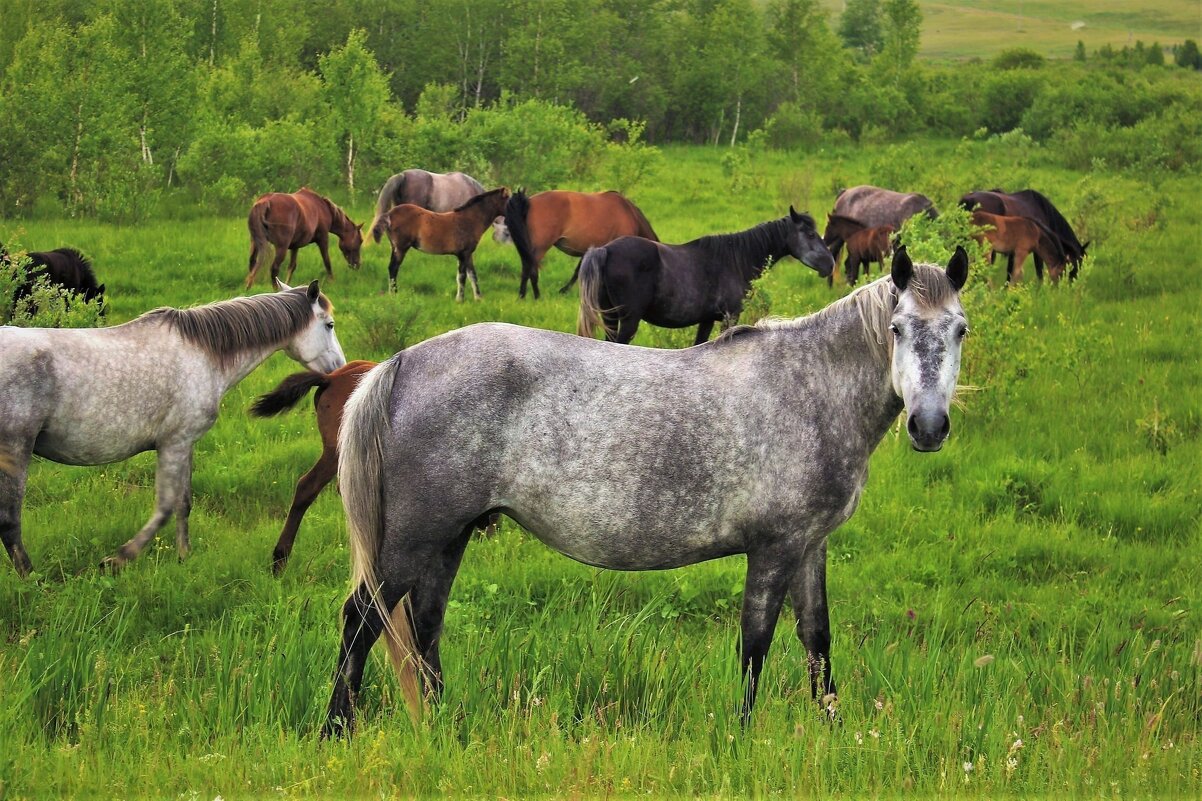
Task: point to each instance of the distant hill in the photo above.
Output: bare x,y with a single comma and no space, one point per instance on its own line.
954,29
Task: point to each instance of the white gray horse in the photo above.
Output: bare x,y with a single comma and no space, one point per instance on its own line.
94,396
638,459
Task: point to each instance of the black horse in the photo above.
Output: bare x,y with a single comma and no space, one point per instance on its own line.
1034,206
698,283
66,267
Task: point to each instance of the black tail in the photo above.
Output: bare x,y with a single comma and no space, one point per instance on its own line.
591,269
286,395
516,209
575,275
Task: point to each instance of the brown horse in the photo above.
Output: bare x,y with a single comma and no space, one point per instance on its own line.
289,222
1018,237
333,390
866,246
442,233
570,221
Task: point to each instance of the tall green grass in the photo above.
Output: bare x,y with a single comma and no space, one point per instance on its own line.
1014,615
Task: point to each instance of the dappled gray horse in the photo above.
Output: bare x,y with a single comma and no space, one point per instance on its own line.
638,459
875,207
433,191
94,396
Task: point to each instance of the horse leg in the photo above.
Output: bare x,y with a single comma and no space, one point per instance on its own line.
394,266
763,594
323,245
172,480
252,268
308,488
291,265
361,627
704,328
471,273
13,473
183,508
1020,258
623,328
1038,265
429,607
563,290
808,594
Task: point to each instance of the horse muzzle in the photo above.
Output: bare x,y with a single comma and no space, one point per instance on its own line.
928,430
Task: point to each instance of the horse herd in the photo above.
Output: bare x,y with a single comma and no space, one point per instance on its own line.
619,457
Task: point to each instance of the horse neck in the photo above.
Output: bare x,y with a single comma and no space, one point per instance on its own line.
239,366
829,349
758,248
340,224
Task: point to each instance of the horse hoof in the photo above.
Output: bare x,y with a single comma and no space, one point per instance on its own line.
278,564
113,564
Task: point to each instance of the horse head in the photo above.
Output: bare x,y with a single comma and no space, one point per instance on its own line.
350,243
806,245
316,345
928,328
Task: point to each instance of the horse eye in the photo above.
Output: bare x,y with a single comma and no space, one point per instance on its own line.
896,331
330,325
962,331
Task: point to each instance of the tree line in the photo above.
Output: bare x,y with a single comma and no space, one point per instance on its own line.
106,106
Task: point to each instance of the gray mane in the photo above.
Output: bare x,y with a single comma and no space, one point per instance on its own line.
874,302
227,328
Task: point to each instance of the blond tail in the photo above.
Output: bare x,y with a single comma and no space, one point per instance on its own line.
589,316
360,464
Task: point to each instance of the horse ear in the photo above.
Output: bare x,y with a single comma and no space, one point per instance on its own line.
793,215
314,291
279,285
902,268
359,227
957,268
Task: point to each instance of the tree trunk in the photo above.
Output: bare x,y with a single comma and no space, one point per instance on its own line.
738,114
350,164
213,36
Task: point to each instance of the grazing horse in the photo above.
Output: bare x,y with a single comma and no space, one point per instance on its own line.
638,458
433,191
455,232
66,267
95,396
698,283
1017,237
333,390
1034,206
570,221
873,206
289,222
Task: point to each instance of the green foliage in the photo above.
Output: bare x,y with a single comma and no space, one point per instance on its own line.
1188,55
860,27
1020,58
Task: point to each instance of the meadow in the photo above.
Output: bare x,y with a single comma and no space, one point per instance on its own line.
1014,615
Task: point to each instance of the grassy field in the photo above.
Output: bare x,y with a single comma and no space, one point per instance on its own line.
966,28
1015,615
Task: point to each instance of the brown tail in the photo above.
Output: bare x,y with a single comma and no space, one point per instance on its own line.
286,395
256,221
591,269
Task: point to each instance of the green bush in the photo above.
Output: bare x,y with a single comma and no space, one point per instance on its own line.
47,305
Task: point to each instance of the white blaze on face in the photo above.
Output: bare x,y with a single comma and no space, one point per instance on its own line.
926,366
500,232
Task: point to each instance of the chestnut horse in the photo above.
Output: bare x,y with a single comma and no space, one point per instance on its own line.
1034,206
1017,237
435,191
570,221
441,233
333,390
289,222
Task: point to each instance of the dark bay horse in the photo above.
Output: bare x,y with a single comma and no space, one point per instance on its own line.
289,222
698,283
1018,237
66,267
333,390
455,232
874,206
570,221
637,458
1034,206
434,191
91,396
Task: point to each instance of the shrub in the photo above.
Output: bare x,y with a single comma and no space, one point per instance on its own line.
47,306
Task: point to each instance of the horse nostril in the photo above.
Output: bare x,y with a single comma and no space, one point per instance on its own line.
912,426
946,428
